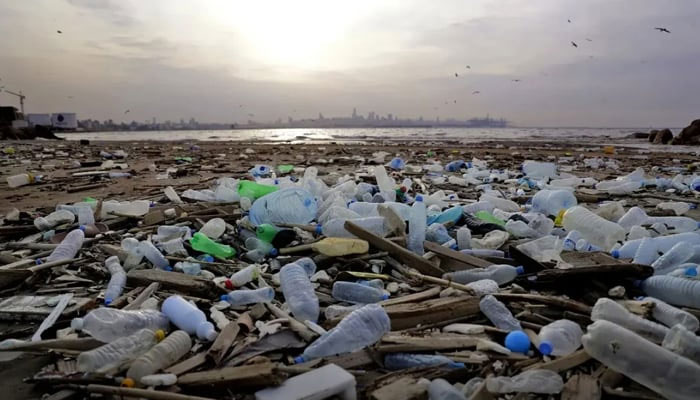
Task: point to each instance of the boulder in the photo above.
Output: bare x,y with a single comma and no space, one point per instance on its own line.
652,135
638,135
690,135
664,136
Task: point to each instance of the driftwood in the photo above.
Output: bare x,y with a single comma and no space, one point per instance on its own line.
173,280
247,376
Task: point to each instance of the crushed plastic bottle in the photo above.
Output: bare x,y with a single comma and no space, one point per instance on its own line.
69,246
396,361
684,342
541,381
245,296
134,252
160,356
675,256
299,293
109,324
188,317
154,255
646,252
609,310
498,314
362,327
501,273
214,228
260,170
55,218
357,293
397,163
253,190
117,281
662,243
120,350
671,316
594,229
552,202
286,206
464,238
560,338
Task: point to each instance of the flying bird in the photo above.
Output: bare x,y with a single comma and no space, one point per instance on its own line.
574,44
588,40
59,32
569,20
455,101
456,75
127,111
663,30
469,67
476,92
70,97
516,80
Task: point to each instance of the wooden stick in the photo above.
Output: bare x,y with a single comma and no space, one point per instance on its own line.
294,324
442,282
551,300
296,249
145,294
136,393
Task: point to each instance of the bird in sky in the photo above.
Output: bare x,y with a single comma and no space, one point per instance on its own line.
568,20
127,111
455,101
59,32
476,92
663,30
456,75
70,97
469,67
588,40
516,80
251,114
574,44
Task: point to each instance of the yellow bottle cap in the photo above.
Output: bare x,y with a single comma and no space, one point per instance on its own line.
160,335
128,382
560,217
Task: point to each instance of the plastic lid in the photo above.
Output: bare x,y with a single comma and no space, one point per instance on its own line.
228,284
517,341
299,360
274,252
615,253
691,271
128,382
520,269
419,198
108,301
160,335
77,324
82,228
545,347
38,261
319,229
224,297
385,296
168,268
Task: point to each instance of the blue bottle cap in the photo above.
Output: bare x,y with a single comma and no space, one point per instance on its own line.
299,360
615,253
82,227
419,198
168,268
456,365
274,252
319,229
520,269
691,271
518,341
385,296
38,261
108,301
224,297
545,347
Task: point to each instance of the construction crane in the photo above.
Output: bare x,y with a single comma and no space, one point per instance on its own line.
21,99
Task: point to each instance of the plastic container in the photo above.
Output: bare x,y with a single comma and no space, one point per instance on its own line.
541,381
154,255
266,232
109,324
55,218
671,316
650,365
15,181
551,202
117,281
336,227
594,229
677,255
663,244
299,293
385,183
611,311
160,356
560,338
287,206
135,208
188,317
440,389
253,190
536,169
134,252
362,327
214,228
260,170
464,238
118,351
417,226
646,252
201,242
501,273
69,246
684,342
673,290
245,296
244,276
397,163
499,314
357,293
396,361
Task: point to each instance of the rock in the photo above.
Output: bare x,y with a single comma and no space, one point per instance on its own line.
689,135
638,135
652,135
664,136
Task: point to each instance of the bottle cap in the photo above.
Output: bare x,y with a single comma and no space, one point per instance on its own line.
128,382
299,360
615,253
77,324
319,229
691,271
419,198
228,284
224,297
160,335
82,228
545,347
273,252
520,269
456,365
518,341
168,268
108,301
385,296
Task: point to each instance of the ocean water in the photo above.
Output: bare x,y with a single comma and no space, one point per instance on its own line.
364,134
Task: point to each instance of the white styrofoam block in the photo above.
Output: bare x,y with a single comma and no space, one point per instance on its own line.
318,384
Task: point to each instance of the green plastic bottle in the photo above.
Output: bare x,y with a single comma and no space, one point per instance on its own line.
266,232
488,217
201,242
253,190
285,168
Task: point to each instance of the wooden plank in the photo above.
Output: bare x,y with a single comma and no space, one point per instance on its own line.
254,375
412,298
125,392
581,387
405,388
482,393
467,260
187,365
409,315
352,360
394,342
566,304
563,363
223,342
598,272
183,283
404,255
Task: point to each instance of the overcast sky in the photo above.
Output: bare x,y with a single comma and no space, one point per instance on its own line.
219,60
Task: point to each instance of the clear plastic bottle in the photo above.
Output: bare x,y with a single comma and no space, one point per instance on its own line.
160,356
395,361
214,228
417,226
364,209
245,296
336,227
167,232
437,233
55,218
69,246
135,208
663,244
244,276
174,247
121,349
501,273
362,327
646,252
638,232
440,389
385,183
677,255
570,240
134,252
464,238
336,212
473,208
484,252
15,181
159,380
612,311
188,317
154,255
541,381
670,315
684,342
109,324
500,203
357,293
265,248
171,194
650,365
117,281
596,230
299,293
560,338
538,169
551,202
499,314
286,206
673,290
86,215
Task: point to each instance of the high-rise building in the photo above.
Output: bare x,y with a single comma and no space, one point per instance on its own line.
354,113
370,116
390,117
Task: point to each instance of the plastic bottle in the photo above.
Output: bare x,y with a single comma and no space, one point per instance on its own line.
188,317
118,351
336,227
500,203
551,202
308,264
479,227
484,252
243,277
160,356
677,255
117,281
646,252
417,226
536,169
201,242
109,324
560,338
253,190
167,232
189,267
611,311
287,206
299,293
357,293
260,170
55,218
362,327
501,273
397,163
440,389
395,361
498,314
174,247
159,380
684,342
437,233
594,229
245,296
464,238
541,381
135,208
214,228
670,315
134,252
266,232
673,290
15,181
385,183
650,365
154,255
663,244
69,246
253,243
